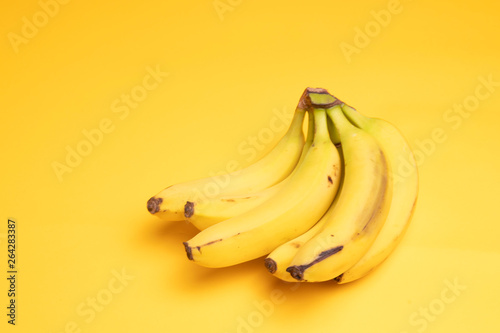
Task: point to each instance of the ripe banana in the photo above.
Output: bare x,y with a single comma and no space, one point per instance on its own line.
298,205
405,192
170,203
205,213
359,214
280,258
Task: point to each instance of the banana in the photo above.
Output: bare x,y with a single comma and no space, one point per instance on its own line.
172,202
205,213
359,214
297,206
405,192
280,258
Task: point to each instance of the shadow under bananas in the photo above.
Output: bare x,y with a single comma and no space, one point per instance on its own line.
301,297
168,234
198,279
166,238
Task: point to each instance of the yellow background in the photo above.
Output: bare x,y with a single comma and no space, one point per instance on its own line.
229,74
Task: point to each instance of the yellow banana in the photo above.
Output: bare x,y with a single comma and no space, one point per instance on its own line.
280,258
405,192
297,206
205,213
170,203
360,212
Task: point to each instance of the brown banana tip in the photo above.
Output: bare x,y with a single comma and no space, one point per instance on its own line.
189,252
154,205
296,272
311,90
338,279
270,265
305,100
189,209
324,104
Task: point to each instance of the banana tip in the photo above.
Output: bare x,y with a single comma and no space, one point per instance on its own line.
154,205
189,209
296,272
338,279
270,265
189,252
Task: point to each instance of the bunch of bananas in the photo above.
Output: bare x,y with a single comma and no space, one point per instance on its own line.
327,207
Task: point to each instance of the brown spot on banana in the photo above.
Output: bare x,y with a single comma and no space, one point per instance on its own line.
237,199
335,170
297,271
189,249
330,180
209,243
189,209
380,204
154,205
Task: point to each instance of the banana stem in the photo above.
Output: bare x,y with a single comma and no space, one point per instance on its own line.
310,127
339,120
320,98
334,134
311,98
310,136
320,125
355,117
297,122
